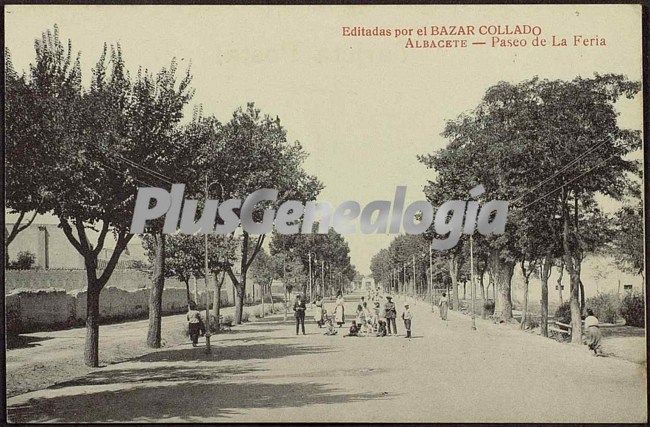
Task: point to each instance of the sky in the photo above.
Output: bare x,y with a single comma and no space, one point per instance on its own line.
362,107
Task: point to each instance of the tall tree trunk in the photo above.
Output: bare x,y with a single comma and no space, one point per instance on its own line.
196,290
155,296
91,350
239,304
453,273
187,289
524,313
216,302
546,273
559,281
94,284
502,270
481,277
582,294
576,321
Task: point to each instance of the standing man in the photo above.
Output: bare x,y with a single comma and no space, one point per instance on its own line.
391,314
407,317
299,308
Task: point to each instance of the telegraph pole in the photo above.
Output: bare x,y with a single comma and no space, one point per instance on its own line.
310,279
414,291
431,275
471,263
207,296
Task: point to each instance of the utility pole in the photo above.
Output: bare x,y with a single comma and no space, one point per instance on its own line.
431,275
471,266
310,279
413,290
207,296
322,275
284,279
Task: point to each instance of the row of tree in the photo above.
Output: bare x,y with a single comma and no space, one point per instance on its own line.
549,147
80,153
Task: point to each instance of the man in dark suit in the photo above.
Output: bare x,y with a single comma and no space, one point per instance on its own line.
299,308
391,314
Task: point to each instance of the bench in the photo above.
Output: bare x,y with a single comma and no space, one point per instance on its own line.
558,330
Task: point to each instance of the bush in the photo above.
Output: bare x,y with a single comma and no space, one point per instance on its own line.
488,307
24,261
244,316
563,313
605,307
633,310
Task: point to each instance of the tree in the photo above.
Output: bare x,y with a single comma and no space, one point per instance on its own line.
78,188
520,132
329,255
155,110
93,140
23,146
258,156
185,256
627,244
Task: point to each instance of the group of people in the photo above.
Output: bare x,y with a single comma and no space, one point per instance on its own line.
375,317
380,320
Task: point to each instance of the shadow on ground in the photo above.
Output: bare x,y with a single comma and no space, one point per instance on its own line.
23,341
232,352
155,374
187,401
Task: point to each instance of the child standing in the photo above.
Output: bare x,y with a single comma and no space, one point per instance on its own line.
407,317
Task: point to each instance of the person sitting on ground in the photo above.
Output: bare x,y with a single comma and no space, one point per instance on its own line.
329,324
593,337
381,328
354,330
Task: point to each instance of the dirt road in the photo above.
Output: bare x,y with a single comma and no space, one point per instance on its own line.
262,371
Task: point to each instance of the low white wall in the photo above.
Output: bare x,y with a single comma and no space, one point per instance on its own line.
40,309
31,310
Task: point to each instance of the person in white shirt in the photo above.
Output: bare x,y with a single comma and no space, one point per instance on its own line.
593,336
407,317
194,323
444,306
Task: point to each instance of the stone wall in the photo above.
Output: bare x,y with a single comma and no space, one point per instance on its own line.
42,299
70,280
31,310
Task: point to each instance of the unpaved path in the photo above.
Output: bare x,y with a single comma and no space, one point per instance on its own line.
48,358
263,372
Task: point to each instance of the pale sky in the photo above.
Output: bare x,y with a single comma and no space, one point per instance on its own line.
363,108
